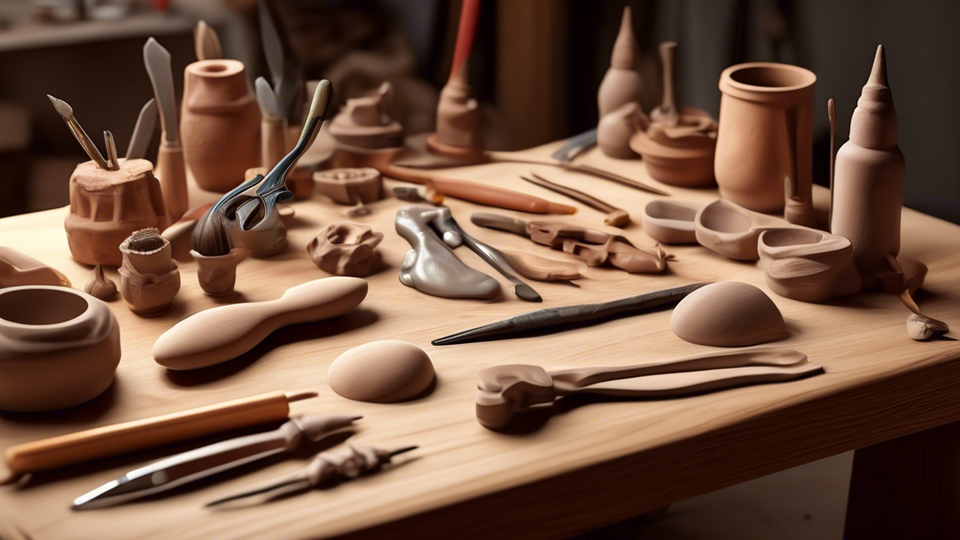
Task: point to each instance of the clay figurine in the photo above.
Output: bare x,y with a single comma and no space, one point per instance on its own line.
149,278
766,136
20,269
617,127
346,249
59,347
100,286
615,217
808,265
381,372
220,124
170,157
431,267
223,333
350,186
671,222
504,391
622,83
541,268
870,169
365,122
733,231
728,314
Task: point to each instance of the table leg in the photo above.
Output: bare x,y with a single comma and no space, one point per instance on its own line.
907,487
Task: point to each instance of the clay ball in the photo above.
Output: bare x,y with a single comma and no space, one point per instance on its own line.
728,314
381,372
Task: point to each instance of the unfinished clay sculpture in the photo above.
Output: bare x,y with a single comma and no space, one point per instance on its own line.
381,372
808,265
59,347
733,231
671,222
431,267
868,187
346,249
100,286
149,278
622,83
365,122
222,333
728,314
350,186
17,269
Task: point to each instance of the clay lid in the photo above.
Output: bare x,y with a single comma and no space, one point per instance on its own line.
626,52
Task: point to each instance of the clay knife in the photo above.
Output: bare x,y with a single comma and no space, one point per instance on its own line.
208,460
173,174
143,130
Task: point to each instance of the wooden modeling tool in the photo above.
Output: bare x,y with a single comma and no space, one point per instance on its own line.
206,43
504,391
117,439
66,112
173,173
615,216
208,460
553,319
832,117
667,113
143,130
326,469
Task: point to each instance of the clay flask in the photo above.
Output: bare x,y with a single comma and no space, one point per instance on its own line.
622,83
869,177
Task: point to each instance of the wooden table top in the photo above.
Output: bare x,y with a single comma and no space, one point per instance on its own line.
591,465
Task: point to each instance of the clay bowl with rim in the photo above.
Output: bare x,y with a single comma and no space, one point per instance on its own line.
59,347
671,222
808,265
733,231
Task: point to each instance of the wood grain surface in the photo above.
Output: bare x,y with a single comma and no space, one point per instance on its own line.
592,463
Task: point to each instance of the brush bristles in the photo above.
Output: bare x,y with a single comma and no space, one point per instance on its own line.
63,108
210,235
144,241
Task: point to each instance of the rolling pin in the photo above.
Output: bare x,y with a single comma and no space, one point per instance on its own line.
223,333
127,437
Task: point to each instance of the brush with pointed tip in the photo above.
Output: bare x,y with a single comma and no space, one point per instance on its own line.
66,112
325,469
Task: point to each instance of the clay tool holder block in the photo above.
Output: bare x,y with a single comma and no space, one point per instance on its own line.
671,222
734,231
17,269
223,333
728,314
365,122
59,348
157,431
108,206
149,279
346,249
504,391
808,265
217,274
350,186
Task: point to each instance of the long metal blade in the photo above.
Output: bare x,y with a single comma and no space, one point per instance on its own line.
183,468
143,130
157,61
576,145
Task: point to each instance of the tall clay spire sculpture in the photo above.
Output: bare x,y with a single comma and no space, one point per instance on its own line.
869,177
622,83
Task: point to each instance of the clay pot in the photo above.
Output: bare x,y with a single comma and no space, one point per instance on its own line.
220,125
149,280
108,206
808,265
765,134
670,222
218,274
59,347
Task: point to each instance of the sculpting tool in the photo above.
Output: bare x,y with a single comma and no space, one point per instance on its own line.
552,319
206,43
325,469
576,145
615,216
127,437
189,466
273,126
112,163
66,112
172,171
143,130
286,75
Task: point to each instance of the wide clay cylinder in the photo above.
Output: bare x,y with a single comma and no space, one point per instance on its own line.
220,125
765,137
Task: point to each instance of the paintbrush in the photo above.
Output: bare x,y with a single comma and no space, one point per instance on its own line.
210,237
553,319
66,112
615,216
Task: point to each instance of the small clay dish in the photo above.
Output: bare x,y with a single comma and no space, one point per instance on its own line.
671,222
59,347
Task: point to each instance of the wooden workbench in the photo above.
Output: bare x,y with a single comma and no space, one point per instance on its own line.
587,466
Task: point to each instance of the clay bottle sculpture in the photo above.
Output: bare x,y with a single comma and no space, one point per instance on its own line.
869,178
622,83
220,124
149,279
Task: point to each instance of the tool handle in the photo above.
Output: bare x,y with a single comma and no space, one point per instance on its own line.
501,223
668,55
173,179
127,437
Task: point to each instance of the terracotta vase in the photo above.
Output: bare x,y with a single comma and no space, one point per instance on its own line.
220,126
869,178
622,83
218,274
149,280
765,138
59,347
808,265
108,206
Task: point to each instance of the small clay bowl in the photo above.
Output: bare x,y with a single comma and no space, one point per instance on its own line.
671,222
59,347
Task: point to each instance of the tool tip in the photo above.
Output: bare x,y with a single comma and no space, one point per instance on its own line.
63,108
526,292
301,395
322,97
402,450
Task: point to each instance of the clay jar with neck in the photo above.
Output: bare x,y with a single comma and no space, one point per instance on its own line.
220,124
765,138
